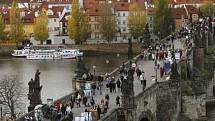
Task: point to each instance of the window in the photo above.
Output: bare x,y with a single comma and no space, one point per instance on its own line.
123,14
150,18
119,14
124,22
97,26
96,18
97,35
119,22
124,29
150,25
55,20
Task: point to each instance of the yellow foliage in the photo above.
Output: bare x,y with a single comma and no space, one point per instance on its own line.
137,19
41,28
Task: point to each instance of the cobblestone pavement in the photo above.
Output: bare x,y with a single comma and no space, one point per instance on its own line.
147,66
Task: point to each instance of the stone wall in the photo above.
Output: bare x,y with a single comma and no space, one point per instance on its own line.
146,103
194,106
160,102
116,114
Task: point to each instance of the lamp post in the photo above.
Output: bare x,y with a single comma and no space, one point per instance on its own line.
156,71
74,81
159,35
94,70
1,109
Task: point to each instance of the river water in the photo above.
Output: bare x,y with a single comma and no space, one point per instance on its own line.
56,75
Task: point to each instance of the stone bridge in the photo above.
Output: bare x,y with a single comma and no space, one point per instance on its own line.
159,102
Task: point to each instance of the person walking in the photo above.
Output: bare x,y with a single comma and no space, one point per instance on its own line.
63,110
79,100
92,102
142,77
99,112
118,83
138,72
68,109
114,87
107,97
117,101
85,101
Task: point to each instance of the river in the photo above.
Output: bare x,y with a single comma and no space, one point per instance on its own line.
56,75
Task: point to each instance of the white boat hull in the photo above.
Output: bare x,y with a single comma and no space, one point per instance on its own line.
51,54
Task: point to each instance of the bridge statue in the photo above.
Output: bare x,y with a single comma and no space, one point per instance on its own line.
34,94
128,96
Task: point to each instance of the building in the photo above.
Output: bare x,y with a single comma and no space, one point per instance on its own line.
150,18
192,12
94,24
54,14
180,17
122,12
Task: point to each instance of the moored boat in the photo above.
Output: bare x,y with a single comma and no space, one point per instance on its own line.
45,54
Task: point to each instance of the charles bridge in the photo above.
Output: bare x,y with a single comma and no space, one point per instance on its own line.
164,100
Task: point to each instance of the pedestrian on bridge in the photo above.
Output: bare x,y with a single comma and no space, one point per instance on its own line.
118,101
118,83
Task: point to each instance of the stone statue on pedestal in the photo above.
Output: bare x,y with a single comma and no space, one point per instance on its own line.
128,96
81,68
174,70
34,94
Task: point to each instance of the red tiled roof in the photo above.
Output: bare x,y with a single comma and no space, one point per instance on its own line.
93,11
150,11
177,13
190,1
121,6
56,9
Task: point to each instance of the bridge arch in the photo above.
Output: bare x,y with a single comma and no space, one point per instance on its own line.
146,116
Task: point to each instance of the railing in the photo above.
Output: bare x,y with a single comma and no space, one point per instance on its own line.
113,115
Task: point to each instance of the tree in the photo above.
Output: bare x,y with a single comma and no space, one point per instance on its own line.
136,20
107,21
41,28
207,9
11,93
16,26
77,24
163,21
2,28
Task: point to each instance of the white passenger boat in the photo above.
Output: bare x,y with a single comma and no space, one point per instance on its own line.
30,53
44,55
22,53
70,53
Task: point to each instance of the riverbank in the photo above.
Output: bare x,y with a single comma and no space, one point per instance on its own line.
88,49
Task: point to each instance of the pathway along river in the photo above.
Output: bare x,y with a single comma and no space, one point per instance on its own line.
56,75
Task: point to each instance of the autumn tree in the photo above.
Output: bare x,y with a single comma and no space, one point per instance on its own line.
41,32
107,21
207,9
16,25
77,24
163,21
11,93
136,20
2,28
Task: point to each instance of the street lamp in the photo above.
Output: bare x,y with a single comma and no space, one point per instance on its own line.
74,81
94,70
156,71
159,35
1,110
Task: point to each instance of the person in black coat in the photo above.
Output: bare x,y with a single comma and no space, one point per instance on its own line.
99,112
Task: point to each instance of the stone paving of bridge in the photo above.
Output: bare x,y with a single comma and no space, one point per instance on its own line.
146,65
